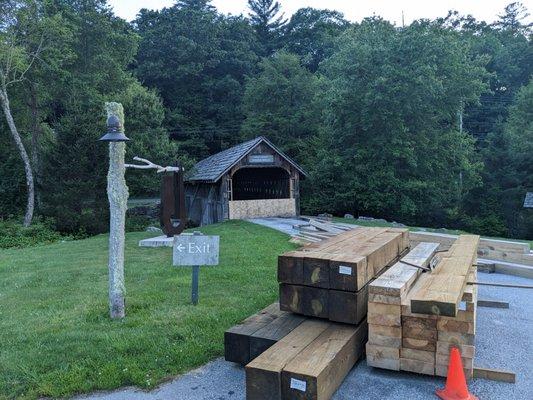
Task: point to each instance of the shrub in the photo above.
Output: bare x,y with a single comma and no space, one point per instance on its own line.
13,234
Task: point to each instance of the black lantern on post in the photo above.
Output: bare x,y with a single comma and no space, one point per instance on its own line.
114,131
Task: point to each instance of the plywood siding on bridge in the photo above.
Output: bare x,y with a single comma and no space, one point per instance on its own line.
242,209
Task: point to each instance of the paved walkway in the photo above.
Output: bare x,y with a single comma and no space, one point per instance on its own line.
503,341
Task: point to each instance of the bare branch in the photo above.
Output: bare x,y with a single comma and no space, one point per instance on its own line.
34,56
151,165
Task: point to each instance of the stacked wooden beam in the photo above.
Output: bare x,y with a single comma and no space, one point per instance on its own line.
291,356
308,363
330,279
419,341
437,310
458,331
245,341
385,321
442,291
491,249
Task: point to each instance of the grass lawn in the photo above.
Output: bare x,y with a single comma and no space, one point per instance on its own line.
57,340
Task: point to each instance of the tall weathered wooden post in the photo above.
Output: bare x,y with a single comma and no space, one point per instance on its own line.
117,193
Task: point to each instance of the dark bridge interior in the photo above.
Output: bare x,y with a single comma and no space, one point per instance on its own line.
261,183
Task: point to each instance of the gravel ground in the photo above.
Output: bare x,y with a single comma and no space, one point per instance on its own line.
503,341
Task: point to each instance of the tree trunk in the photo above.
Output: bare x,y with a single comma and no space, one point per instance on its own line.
36,132
23,154
117,193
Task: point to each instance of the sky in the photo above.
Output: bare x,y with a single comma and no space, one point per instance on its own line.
353,10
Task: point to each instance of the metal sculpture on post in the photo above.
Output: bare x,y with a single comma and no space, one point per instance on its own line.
173,215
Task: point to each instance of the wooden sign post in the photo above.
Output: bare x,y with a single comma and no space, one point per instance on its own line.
195,250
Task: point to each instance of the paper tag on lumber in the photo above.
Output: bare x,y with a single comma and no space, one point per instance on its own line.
298,384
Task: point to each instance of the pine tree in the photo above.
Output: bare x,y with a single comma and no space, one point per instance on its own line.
512,19
268,22
198,5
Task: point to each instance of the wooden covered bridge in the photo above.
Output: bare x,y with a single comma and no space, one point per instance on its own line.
252,179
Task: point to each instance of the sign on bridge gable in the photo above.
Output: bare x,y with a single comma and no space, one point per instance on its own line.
195,250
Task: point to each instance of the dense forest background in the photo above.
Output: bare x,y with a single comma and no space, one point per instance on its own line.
428,124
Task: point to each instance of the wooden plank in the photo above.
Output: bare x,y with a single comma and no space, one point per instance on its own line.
307,239
304,300
420,355
381,298
466,350
377,361
385,341
452,325
456,338
264,338
336,305
442,291
381,251
492,304
417,366
345,262
324,226
291,298
492,249
462,315
349,275
444,359
316,270
390,353
419,328
348,307
390,331
290,267
315,302
263,375
400,277
237,338
328,245
494,375
384,314
419,344
320,368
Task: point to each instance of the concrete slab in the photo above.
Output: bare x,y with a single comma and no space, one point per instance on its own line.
158,241
285,225
503,341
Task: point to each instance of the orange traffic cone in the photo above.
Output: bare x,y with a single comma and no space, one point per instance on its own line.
456,388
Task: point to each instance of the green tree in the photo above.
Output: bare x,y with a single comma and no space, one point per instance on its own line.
268,22
197,60
494,208
18,53
75,169
144,114
513,19
280,103
391,106
312,33
520,130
